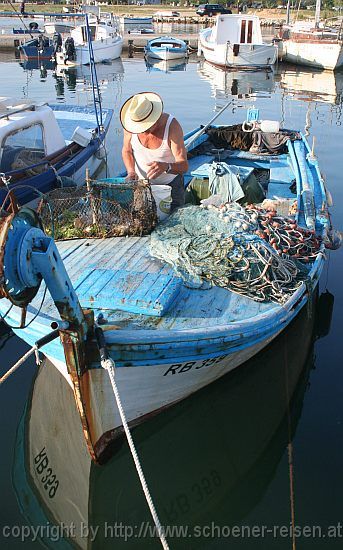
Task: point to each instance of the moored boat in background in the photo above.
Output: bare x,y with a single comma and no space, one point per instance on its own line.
236,41
166,48
106,42
311,43
41,47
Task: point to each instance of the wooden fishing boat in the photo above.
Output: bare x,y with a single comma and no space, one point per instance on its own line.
166,48
171,332
311,43
256,407
40,144
236,41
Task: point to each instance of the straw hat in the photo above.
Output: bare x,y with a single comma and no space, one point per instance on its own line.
140,112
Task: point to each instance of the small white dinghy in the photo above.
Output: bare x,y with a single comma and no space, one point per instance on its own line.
166,48
236,41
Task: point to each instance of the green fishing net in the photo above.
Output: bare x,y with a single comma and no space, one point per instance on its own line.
220,246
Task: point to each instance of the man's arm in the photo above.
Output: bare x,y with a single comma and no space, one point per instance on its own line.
177,145
128,157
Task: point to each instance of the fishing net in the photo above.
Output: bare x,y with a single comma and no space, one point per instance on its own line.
250,251
101,209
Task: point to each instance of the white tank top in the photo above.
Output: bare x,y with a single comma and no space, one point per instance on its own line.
143,156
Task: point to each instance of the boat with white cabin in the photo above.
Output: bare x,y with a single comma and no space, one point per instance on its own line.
62,26
236,41
166,48
106,42
41,145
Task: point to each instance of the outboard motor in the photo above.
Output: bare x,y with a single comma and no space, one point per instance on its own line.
57,42
69,48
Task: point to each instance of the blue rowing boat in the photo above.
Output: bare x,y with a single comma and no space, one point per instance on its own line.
177,309
166,48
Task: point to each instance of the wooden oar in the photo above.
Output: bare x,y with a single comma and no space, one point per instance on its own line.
204,128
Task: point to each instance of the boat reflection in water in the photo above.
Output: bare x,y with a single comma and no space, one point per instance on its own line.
36,63
227,83
165,66
210,456
106,72
78,79
311,84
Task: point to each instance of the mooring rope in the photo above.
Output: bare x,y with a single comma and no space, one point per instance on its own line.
35,349
290,448
108,364
22,360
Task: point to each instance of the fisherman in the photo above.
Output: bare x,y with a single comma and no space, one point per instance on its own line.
22,8
153,145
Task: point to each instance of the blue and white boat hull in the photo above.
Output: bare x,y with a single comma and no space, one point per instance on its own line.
166,48
166,339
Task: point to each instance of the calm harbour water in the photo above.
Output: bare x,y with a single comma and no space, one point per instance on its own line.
220,458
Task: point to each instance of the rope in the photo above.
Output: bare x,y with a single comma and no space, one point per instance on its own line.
22,360
290,448
108,365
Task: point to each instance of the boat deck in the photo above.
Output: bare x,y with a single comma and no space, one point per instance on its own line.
119,277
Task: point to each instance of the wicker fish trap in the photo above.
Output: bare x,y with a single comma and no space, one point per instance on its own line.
99,210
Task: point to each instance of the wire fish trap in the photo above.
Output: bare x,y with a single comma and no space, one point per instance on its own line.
102,209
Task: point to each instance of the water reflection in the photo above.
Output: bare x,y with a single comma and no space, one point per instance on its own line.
211,456
35,63
312,85
225,83
165,66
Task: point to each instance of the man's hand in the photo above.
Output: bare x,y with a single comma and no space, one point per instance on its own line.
132,176
156,169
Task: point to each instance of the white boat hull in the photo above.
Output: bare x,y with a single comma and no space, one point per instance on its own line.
146,390
237,55
314,54
106,49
